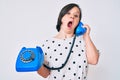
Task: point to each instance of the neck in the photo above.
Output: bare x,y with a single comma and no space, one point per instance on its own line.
62,35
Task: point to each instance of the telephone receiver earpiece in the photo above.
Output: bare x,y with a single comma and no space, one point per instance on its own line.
80,30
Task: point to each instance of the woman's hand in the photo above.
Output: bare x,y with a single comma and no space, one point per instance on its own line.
43,71
87,33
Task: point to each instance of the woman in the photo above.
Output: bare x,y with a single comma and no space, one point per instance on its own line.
57,48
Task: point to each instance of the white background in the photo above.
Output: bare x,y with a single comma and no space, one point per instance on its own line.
27,22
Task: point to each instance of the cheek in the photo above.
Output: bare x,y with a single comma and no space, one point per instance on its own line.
64,19
76,22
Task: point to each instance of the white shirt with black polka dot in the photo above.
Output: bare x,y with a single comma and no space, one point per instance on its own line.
55,53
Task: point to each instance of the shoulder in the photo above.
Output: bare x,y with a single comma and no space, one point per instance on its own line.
79,37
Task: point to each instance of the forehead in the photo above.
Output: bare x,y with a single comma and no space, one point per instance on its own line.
75,9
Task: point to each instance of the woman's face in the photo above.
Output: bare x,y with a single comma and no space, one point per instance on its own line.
70,20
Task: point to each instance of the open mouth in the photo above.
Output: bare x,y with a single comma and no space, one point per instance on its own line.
69,23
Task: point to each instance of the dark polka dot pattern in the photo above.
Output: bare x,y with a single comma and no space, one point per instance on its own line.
60,53
69,68
56,53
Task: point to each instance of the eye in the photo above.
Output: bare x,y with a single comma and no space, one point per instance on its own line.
76,15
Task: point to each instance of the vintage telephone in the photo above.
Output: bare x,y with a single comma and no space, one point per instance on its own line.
31,59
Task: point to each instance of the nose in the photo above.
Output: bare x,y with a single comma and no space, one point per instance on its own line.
72,16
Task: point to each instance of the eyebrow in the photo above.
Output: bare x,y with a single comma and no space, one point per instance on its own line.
77,12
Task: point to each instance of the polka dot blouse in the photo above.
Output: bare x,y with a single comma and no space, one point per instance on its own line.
55,53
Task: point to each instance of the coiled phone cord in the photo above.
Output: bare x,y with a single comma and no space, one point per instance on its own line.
57,68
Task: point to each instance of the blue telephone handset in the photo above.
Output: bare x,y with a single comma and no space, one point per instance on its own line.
80,30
